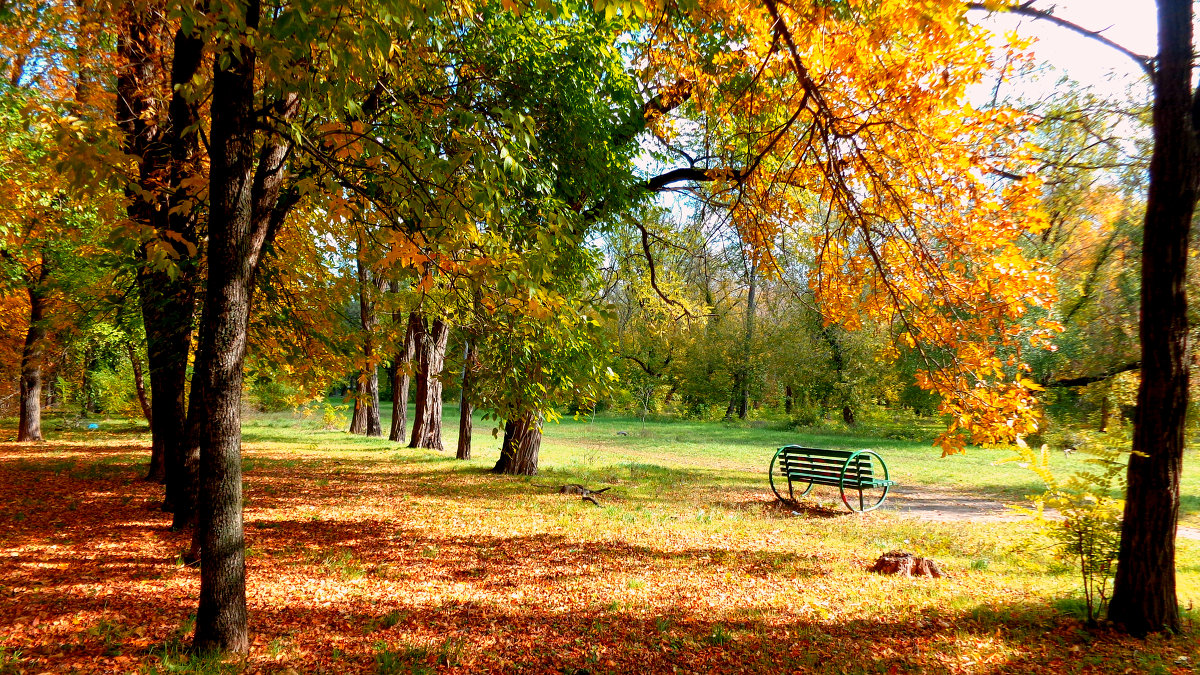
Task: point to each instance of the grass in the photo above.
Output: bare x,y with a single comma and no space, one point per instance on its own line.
371,557
661,454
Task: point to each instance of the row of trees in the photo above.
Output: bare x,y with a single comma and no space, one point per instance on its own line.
240,171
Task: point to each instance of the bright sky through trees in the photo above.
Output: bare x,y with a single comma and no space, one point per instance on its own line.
1129,23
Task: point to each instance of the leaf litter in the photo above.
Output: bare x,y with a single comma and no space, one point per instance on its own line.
403,563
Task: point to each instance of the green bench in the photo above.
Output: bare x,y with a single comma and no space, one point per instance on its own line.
860,473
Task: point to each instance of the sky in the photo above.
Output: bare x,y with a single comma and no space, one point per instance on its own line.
1130,23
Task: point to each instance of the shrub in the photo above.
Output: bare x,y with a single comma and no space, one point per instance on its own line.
334,416
113,391
1091,505
268,395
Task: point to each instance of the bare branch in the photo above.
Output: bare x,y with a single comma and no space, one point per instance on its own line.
1146,63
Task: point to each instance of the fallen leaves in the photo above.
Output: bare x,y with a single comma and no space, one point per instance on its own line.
377,562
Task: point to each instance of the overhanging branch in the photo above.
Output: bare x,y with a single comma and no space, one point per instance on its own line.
1089,379
1146,63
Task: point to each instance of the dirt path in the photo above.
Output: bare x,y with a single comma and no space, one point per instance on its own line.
937,504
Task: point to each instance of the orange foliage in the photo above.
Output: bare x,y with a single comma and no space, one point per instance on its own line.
846,127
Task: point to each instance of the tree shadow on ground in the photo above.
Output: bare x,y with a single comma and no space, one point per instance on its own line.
93,566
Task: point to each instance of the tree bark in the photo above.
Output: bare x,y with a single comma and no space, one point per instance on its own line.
734,396
139,382
465,407
522,441
158,460
1144,599
188,472
221,621
427,418
366,403
365,419
176,303
247,207
29,427
167,157
402,365
744,394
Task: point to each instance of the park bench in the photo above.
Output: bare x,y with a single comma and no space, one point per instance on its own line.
859,473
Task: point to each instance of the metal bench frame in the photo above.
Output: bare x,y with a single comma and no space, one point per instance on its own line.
852,470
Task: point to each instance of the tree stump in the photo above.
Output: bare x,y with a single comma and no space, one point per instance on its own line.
907,564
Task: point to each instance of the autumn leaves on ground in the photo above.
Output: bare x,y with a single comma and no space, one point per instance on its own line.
366,557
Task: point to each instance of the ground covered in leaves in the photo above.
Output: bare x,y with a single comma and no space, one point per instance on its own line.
365,557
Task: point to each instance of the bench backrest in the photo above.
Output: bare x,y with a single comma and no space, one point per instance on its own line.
824,465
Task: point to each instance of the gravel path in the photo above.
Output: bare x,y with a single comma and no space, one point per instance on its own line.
946,505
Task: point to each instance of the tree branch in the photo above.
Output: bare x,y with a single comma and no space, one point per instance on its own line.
1146,63
664,180
1089,379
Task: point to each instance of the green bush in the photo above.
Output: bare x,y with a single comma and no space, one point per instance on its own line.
1091,504
113,391
267,395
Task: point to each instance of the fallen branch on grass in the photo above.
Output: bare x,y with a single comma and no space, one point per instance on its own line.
576,489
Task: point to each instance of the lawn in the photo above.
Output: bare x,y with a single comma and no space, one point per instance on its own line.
365,556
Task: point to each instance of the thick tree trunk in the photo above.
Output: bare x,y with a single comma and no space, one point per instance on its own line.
29,427
365,419
176,302
427,418
221,621
465,407
402,366
167,315
522,441
167,157
247,208
188,492
1144,599
787,399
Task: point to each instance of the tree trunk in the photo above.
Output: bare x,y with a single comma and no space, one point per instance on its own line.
85,383
158,459
522,441
139,383
427,418
247,207
744,394
465,407
1144,599
167,158
402,365
168,354
358,419
188,490
366,403
848,415
221,621
365,419
30,425
787,399
734,396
